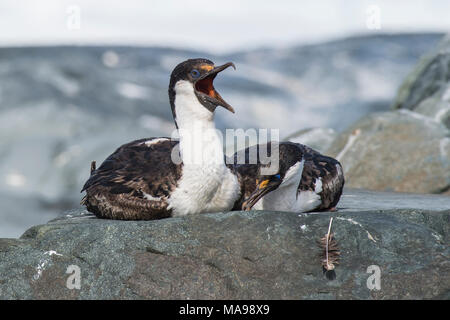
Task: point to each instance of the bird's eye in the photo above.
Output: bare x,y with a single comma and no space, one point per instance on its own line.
195,73
277,176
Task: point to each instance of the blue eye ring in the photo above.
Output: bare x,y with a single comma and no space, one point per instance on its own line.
195,73
278,176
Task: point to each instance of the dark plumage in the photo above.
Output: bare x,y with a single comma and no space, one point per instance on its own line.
121,187
326,168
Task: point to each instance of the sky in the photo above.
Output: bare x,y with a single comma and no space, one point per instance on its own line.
215,26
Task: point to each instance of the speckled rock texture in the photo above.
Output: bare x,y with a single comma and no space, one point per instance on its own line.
238,255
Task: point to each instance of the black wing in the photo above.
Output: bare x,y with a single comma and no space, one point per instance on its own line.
330,171
128,182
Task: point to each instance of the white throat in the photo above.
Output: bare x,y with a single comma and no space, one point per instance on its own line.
200,141
206,185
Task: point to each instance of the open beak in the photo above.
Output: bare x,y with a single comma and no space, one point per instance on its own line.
262,189
205,89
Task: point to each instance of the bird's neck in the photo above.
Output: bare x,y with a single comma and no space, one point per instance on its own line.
206,185
200,142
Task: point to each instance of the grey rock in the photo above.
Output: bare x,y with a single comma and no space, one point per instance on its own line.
395,151
407,150
319,139
426,89
238,255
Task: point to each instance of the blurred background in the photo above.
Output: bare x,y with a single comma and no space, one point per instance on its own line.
80,78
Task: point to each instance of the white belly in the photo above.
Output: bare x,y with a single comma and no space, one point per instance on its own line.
282,199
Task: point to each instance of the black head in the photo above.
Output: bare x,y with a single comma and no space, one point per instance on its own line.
200,73
289,155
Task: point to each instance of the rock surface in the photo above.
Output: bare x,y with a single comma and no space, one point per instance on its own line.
426,89
395,151
407,150
238,255
319,139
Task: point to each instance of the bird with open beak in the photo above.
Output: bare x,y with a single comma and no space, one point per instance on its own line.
142,181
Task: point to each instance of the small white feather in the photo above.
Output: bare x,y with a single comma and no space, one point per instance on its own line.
150,142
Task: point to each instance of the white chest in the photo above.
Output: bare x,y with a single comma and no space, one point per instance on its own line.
204,189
